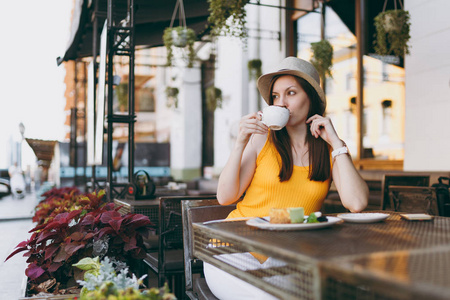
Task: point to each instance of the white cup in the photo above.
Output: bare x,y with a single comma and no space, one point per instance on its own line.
275,117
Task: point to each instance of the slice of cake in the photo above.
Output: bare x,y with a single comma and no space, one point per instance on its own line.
286,215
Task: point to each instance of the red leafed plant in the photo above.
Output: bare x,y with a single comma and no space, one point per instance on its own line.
70,236
55,199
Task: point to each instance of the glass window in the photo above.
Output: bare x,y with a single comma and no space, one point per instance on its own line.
381,81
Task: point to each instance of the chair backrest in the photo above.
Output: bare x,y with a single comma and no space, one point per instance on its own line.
413,199
198,210
403,180
170,229
170,223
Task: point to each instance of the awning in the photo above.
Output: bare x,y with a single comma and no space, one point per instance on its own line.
43,149
151,18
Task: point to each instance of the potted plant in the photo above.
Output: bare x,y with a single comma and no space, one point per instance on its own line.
59,200
322,58
180,37
213,98
392,32
228,17
254,68
111,279
83,230
172,96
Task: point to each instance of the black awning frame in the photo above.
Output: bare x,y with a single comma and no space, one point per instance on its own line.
152,17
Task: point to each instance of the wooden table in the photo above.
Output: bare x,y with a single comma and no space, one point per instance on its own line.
392,259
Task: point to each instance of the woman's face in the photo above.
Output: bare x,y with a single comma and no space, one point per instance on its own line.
288,92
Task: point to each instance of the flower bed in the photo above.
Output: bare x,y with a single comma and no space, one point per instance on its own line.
73,227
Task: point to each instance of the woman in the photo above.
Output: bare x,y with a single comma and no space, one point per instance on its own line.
292,167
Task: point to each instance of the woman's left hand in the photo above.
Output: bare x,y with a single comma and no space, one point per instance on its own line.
322,127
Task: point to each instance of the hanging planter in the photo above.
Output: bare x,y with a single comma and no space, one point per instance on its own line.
254,69
228,17
172,97
179,37
322,58
213,98
392,32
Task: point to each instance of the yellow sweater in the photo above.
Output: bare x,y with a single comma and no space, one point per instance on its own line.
266,191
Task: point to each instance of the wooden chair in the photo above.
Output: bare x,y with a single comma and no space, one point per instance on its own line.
167,262
413,199
198,210
400,179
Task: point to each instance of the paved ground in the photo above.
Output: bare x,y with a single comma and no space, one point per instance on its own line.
15,222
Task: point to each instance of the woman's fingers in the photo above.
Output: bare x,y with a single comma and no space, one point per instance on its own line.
251,124
322,127
318,125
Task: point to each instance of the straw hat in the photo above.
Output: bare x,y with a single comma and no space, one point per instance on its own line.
296,67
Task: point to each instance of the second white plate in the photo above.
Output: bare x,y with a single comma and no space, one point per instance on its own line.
363,217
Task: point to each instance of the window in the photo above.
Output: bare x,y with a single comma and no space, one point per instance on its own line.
382,80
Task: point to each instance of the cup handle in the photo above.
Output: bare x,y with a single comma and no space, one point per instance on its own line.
261,115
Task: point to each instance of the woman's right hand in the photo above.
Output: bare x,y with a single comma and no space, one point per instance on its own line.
250,124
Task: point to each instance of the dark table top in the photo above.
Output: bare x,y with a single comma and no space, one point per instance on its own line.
341,240
394,252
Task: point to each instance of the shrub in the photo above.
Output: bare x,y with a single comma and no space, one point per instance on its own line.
61,242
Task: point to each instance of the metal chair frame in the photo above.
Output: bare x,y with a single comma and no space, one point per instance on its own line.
198,210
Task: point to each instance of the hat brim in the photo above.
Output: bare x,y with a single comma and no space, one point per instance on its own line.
264,84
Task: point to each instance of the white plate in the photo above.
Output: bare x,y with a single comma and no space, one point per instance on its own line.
257,222
363,217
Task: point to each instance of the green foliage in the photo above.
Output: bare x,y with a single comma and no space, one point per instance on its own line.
392,32
254,68
186,38
109,275
322,58
172,97
85,231
129,294
89,265
113,282
312,218
213,98
228,17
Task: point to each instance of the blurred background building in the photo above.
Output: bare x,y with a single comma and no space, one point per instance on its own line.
405,101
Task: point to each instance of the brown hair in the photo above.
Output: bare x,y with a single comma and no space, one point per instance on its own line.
318,149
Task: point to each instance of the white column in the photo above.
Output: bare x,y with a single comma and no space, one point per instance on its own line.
186,130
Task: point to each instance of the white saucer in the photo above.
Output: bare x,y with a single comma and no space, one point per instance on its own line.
363,217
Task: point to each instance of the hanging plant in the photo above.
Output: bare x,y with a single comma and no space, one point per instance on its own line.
386,103
392,32
172,97
213,98
180,37
228,17
254,69
322,58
